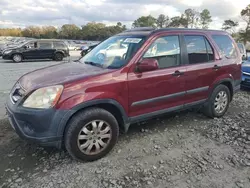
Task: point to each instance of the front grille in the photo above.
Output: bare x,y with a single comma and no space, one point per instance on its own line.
17,93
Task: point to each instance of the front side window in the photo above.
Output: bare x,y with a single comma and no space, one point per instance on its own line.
166,50
31,45
45,45
226,46
199,50
114,52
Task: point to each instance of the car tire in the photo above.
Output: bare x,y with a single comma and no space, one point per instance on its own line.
89,141
17,58
218,103
58,57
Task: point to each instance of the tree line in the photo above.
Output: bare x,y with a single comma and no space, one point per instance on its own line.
190,18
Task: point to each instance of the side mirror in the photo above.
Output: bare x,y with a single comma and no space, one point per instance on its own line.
147,65
244,57
25,47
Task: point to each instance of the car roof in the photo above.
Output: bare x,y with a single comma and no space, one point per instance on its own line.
45,40
145,31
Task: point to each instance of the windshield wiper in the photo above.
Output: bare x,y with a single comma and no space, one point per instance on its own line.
93,63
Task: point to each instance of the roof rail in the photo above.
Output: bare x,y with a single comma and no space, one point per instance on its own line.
140,29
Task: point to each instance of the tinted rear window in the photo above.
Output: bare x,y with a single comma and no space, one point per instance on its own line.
226,45
59,45
198,48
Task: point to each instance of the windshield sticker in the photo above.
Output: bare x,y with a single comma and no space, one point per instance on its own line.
132,40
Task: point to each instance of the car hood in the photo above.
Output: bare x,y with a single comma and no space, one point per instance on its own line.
59,74
246,66
10,48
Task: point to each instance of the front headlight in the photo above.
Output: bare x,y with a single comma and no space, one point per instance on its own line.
44,97
7,51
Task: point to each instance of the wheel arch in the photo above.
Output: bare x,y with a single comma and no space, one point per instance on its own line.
19,53
227,82
110,105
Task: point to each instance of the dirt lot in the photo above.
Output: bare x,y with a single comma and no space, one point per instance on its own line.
181,150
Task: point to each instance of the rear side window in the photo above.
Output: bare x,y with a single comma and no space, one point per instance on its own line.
45,45
199,50
226,45
166,50
59,45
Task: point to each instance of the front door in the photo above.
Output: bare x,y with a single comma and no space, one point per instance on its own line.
160,90
31,51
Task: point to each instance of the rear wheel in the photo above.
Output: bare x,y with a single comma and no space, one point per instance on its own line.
58,57
91,134
17,58
218,103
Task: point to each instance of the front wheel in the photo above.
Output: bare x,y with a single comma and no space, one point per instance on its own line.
218,103
17,58
91,134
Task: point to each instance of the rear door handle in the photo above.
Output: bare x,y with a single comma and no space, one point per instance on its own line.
216,67
177,73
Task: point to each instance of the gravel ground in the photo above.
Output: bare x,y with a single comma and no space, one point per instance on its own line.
181,150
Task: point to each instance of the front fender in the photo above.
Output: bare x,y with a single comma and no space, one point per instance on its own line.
86,104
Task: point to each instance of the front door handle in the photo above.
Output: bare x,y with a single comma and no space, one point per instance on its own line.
216,67
177,73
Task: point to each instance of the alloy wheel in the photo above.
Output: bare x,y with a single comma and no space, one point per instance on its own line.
94,137
221,102
17,58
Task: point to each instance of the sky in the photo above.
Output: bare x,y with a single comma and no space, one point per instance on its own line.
22,13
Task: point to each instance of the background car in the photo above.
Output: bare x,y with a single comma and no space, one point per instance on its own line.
37,49
114,50
243,51
87,49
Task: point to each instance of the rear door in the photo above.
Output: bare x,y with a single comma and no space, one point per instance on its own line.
45,49
202,67
230,58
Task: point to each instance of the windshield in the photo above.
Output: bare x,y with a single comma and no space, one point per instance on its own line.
114,52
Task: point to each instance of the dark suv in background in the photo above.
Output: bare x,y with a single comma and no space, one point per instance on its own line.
84,105
38,49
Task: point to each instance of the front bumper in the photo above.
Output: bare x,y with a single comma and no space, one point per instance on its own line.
7,56
245,80
42,126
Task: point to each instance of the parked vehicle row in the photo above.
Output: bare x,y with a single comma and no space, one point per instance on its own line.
83,105
37,49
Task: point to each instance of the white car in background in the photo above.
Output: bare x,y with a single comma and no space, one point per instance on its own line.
112,51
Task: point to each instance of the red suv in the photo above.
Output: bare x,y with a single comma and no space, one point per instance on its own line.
133,76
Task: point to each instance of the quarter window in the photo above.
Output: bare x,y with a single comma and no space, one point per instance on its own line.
166,50
59,45
225,45
199,50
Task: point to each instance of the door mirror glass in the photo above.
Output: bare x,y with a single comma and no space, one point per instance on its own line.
148,64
